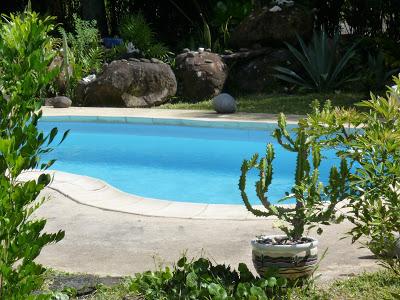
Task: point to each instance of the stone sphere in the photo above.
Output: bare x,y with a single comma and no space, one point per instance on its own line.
224,104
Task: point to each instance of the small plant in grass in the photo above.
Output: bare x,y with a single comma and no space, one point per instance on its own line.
26,50
315,203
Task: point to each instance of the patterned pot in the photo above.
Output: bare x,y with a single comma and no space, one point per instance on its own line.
290,261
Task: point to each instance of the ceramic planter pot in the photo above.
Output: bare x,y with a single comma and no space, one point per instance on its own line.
290,261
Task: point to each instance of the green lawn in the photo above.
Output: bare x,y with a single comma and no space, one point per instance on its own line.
368,286
378,285
275,103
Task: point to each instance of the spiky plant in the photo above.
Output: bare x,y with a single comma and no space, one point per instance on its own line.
324,68
315,203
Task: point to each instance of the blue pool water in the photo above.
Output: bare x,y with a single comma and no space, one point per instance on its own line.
180,163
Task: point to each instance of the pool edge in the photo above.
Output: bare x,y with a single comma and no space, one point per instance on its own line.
99,194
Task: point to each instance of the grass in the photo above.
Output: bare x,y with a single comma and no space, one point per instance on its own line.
378,285
298,104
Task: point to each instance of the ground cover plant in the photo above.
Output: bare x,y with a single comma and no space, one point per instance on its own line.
382,284
26,50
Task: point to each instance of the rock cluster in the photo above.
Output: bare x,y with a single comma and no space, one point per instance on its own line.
269,28
264,33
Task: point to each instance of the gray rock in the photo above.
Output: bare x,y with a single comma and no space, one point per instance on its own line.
200,76
156,61
129,84
58,102
253,71
186,50
84,284
224,104
266,28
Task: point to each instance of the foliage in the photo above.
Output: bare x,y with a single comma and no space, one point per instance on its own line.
200,279
311,208
86,46
26,50
323,66
374,145
378,74
224,17
135,29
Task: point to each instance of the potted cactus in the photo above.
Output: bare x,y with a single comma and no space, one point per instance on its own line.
294,255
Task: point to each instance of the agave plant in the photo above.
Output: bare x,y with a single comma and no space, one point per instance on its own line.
378,74
323,67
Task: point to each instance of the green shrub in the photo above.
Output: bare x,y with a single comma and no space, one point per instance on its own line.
200,279
26,51
135,29
323,67
85,45
373,145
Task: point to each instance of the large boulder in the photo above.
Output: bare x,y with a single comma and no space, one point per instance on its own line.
201,75
269,26
129,83
253,71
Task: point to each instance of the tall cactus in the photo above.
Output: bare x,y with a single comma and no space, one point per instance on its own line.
312,207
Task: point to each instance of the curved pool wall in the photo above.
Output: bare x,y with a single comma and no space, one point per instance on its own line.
171,159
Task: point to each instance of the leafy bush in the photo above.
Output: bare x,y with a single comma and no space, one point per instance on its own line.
200,279
373,144
87,53
311,208
323,67
26,51
135,29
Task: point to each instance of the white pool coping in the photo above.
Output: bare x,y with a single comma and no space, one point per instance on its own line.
97,193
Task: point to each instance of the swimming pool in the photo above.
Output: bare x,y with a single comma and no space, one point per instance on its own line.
170,162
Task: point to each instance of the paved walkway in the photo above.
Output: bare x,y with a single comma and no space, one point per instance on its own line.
104,242
107,233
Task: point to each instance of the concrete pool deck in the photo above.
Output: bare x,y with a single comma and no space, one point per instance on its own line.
103,240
